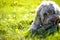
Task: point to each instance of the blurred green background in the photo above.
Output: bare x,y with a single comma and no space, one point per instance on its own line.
16,17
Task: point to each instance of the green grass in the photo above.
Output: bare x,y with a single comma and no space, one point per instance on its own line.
16,17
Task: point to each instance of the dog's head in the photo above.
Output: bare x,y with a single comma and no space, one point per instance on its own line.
47,17
48,12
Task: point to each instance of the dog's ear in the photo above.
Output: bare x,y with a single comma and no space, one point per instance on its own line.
57,12
58,19
37,20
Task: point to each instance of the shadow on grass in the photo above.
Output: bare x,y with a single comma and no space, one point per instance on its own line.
42,33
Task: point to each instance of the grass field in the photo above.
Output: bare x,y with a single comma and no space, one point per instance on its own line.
16,17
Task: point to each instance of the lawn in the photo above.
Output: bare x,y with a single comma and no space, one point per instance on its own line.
16,17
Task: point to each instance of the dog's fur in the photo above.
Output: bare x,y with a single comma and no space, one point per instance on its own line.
47,14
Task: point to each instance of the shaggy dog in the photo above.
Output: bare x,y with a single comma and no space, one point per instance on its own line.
47,16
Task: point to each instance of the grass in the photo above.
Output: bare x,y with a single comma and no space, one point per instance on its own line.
16,17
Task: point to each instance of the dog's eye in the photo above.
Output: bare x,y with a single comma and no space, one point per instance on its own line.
45,14
50,12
